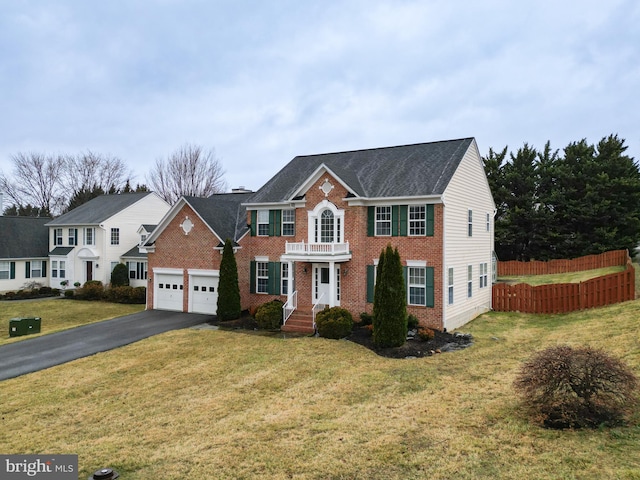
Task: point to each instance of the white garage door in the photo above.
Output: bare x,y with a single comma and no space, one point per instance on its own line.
169,292
204,294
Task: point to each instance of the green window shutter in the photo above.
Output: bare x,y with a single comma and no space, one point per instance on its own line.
254,223
44,269
395,214
371,221
430,221
27,269
75,236
371,276
275,273
404,216
12,270
252,277
275,220
405,275
430,296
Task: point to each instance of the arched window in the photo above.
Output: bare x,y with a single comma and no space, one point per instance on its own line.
327,227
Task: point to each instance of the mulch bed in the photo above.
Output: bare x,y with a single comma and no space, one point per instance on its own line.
412,348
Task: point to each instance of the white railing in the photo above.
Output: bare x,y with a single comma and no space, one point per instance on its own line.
289,307
316,248
316,308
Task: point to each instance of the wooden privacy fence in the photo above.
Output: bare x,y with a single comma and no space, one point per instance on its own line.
589,262
567,297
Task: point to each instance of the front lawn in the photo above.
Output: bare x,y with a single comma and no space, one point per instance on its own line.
205,404
59,314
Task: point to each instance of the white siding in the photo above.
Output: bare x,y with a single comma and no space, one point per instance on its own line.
468,190
15,284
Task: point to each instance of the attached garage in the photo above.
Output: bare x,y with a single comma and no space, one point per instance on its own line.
168,289
203,291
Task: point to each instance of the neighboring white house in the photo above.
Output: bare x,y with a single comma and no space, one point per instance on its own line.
24,252
89,241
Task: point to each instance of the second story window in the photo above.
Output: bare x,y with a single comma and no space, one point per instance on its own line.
73,237
383,221
288,223
470,223
115,236
263,223
89,236
417,220
57,236
327,227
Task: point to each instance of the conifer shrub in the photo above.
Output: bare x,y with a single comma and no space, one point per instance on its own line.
581,387
120,275
228,307
269,315
390,301
334,322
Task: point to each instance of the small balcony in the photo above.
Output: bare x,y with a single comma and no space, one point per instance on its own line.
316,249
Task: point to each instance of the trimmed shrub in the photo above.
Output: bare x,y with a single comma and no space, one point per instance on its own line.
126,294
269,315
566,387
68,293
120,275
91,290
334,322
412,322
366,319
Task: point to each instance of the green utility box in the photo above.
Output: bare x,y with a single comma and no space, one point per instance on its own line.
24,326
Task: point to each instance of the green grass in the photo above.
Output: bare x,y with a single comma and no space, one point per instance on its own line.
203,404
571,277
59,314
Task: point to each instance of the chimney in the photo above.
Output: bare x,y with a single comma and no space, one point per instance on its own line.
241,189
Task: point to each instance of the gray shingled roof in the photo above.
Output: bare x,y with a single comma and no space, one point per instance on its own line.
223,213
24,237
134,253
98,209
409,170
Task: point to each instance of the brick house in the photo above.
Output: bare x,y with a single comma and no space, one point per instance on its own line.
312,235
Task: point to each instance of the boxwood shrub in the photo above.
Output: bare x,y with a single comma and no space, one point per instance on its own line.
334,322
269,315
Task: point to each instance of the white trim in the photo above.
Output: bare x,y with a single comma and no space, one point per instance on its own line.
416,263
168,271
261,259
203,273
384,201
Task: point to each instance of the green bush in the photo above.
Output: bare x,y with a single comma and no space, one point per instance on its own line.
126,294
366,319
120,275
269,315
334,322
91,290
412,322
69,293
389,301
566,387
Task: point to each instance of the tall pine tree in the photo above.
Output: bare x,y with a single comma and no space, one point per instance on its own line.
228,290
390,301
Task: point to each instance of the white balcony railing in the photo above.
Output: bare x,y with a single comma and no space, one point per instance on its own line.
302,248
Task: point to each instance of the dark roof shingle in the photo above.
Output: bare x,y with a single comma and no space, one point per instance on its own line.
24,237
98,209
223,213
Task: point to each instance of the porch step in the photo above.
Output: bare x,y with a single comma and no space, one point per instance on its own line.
300,321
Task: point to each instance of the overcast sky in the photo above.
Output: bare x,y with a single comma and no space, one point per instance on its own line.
263,81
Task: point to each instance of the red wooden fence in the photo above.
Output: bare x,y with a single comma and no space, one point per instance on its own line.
567,297
589,262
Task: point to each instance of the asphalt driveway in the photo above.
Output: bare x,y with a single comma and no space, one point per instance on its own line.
31,355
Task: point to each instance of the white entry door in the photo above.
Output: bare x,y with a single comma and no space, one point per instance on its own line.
204,294
322,286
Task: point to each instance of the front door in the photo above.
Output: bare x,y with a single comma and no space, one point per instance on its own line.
89,274
324,285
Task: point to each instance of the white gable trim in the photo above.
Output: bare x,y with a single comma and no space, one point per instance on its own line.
317,175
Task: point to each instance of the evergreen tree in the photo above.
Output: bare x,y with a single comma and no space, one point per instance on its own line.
228,290
120,275
390,301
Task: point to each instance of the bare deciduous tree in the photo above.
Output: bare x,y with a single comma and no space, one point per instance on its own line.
90,170
191,171
36,180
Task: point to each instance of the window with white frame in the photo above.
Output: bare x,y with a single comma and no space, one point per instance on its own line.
137,270
417,220
57,236
284,289
36,269
470,223
54,269
417,285
263,223
327,226
73,237
5,270
450,285
58,269
115,236
488,223
89,236
262,277
383,221
288,222
484,275
469,281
